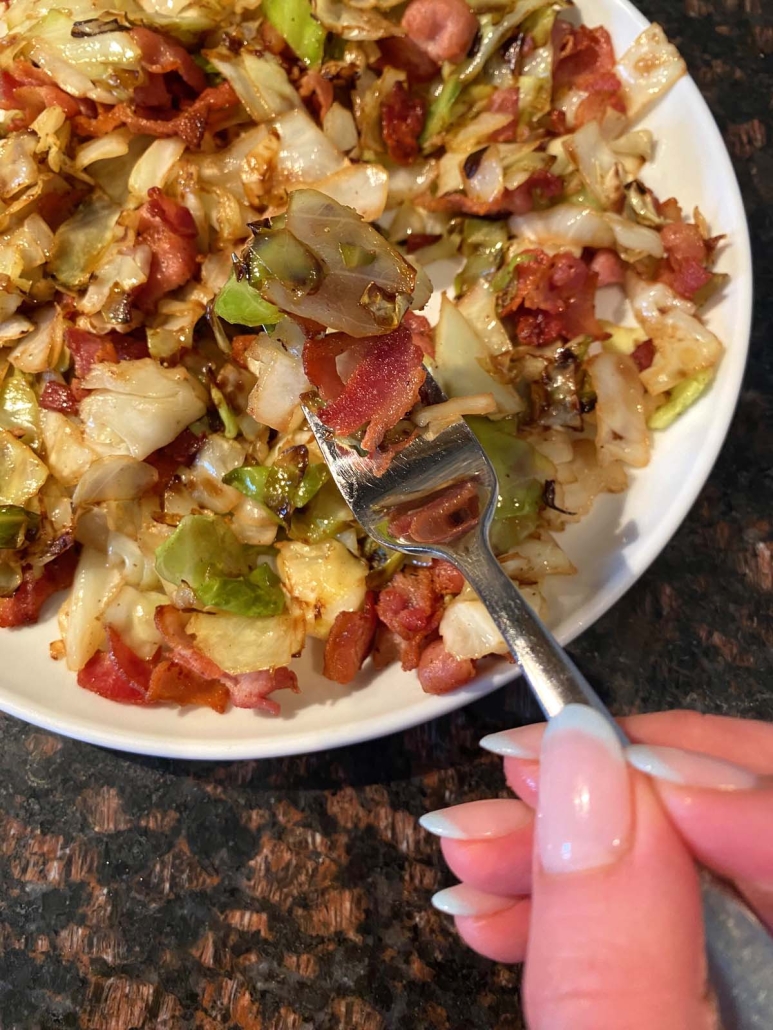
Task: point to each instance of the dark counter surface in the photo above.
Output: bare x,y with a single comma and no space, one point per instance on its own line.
294,894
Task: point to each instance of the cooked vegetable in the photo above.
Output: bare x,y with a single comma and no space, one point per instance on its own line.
211,213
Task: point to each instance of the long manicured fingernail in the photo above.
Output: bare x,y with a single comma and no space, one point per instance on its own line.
585,810
690,768
521,742
477,820
463,900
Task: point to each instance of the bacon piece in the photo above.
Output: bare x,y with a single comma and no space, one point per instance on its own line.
58,397
30,90
316,88
167,460
88,349
552,298
170,231
421,331
251,689
443,29
518,201
441,672
23,607
189,124
446,578
387,647
644,355
129,348
446,517
172,683
521,200
401,52
684,268
350,642
410,606
248,690
160,55
402,119
101,675
383,385
505,101
586,62
153,93
608,266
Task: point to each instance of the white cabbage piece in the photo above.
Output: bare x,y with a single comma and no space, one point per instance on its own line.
340,128
569,225
131,614
479,307
22,473
261,84
621,428
117,478
305,153
648,69
364,187
324,578
274,401
683,344
598,165
138,406
67,454
240,644
156,165
535,557
467,629
461,355
581,480
96,584
204,479
41,348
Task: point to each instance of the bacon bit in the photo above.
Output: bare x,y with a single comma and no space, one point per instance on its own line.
170,231
556,120
586,62
644,355
684,267
319,90
161,55
239,347
505,101
172,683
421,332
552,298
417,240
167,460
387,374
30,90
448,516
402,119
443,29
189,124
441,672
410,607
88,349
102,676
669,209
446,578
153,93
251,689
608,266
23,607
401,52
129,348
273,39
58,397
518,202
350,642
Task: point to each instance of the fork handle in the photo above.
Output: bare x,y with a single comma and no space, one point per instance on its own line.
738,947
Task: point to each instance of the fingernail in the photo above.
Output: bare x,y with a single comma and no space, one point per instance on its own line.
584,815
463,900
521,742
689,768
477,820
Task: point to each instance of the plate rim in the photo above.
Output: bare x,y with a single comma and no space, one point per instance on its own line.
433,706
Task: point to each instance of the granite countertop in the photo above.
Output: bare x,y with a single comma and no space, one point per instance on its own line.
294,894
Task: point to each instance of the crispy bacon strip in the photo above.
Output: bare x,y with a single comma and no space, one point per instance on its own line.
585,62
161,55
517,202
30,90
23,607
88,349
58,397
171,682
644,355
350,642
170,231
443,29
441,672
402,119
382,386
684,267
505,101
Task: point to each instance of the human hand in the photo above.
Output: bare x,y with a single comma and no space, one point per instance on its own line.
603,900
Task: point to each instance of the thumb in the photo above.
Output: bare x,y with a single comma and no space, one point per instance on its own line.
616,937
723,811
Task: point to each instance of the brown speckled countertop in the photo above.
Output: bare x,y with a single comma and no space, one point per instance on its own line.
293,894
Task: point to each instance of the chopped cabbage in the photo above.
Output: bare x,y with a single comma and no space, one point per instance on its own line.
22,473
237,644
325,579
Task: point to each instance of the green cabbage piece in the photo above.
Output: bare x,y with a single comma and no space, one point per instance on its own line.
15,525
241,304
282,487
223,573
22,473
295,22
682,396
516,463
19,411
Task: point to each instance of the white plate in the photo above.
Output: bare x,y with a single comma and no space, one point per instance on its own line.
611,548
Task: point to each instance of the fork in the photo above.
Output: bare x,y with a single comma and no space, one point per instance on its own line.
739,949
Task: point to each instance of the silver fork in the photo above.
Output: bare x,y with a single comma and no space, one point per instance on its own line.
740,951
